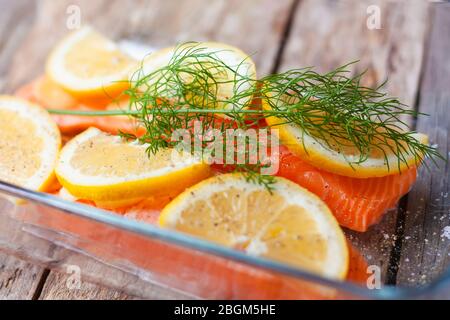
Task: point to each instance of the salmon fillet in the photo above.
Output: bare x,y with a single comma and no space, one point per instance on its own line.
50,96
149,210
356,203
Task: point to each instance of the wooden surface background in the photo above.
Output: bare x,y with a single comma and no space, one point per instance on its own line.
411,48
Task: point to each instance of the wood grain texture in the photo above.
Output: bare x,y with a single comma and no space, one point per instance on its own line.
426,238
327,34
16,20
26,255
99,280
158,24
27,36
56,288
18,279
37,246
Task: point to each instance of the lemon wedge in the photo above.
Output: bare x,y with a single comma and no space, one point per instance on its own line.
337,160
112,172
290,225
233,70
87,64
29,144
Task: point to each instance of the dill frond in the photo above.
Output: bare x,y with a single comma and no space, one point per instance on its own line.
333,108
339,113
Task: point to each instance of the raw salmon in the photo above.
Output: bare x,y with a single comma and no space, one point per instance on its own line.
50,96
356,203
187,269
149,210
357,267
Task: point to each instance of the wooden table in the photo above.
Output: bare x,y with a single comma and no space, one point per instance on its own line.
411,48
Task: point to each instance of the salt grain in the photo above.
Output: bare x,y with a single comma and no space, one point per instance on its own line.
446,232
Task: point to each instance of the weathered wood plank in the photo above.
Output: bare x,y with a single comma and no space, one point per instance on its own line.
18,279
24,258
328,34
16,19
255,26
33,245
394,51
56,288
426,241
98,281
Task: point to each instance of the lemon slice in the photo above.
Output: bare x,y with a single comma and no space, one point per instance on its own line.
290,224
316,152
29,144
112,172
89,65
233,70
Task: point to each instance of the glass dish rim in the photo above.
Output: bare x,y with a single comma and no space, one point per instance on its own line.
184,240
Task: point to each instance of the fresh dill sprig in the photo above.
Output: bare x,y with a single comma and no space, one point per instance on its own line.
196,84
339,113
333,108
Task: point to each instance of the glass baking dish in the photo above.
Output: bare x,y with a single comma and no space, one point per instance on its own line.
191,266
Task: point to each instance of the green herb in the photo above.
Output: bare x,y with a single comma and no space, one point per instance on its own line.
339,113
333,108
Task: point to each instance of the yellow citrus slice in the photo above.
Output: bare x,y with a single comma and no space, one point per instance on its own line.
29,144
341,160
233,70
113,172
89,65
290,225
